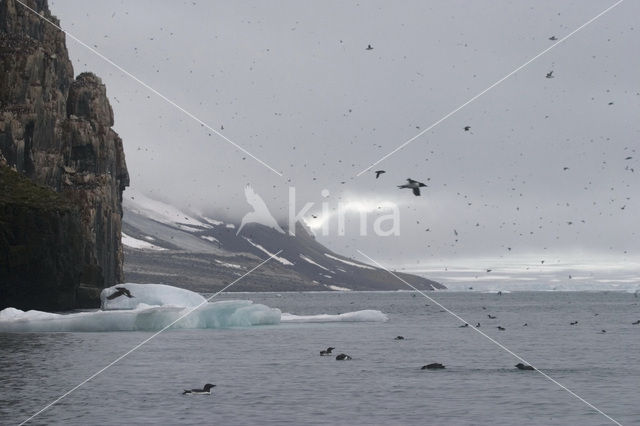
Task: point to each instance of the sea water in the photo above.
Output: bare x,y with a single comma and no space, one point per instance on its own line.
273,374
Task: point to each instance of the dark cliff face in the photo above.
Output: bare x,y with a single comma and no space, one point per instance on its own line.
56,130
40,245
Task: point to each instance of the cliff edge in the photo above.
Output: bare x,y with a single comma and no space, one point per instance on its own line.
56,132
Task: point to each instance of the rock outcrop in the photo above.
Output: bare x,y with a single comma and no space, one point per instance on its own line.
56,131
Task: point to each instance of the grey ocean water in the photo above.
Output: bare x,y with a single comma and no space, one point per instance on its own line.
274,375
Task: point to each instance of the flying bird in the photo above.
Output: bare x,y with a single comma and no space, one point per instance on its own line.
413,185
119,292
379,172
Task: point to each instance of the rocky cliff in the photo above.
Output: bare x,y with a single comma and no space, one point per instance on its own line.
56,131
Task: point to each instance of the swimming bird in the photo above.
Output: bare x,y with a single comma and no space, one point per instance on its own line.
491,316
399,338
413,185
573,323
550,74
433,366
206,390
553,38
501,328
379,172
636,323
327,351
465,325
478,325
467,128
119,292
343,357
525,325
369,48
521,366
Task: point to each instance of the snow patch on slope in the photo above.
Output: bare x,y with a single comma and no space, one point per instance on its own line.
359,265
278,258
161,212
138,244
305,258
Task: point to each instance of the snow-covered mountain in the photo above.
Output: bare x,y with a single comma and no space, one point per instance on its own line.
164,244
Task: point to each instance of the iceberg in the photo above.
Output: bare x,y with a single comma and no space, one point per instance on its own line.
225,314
153,307
367,315
149,294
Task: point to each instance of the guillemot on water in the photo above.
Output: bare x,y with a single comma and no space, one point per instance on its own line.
327,351
433,366
206,390
521,366
343,357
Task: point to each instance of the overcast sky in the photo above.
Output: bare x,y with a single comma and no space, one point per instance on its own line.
542,170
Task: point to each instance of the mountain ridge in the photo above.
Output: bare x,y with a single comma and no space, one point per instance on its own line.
166,245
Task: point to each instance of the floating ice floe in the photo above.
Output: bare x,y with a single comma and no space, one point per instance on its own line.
150,295
367,315
156,306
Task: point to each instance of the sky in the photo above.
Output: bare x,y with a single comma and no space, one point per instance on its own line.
549,168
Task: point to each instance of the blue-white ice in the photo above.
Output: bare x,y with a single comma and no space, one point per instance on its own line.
156,306
149,294
367,315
